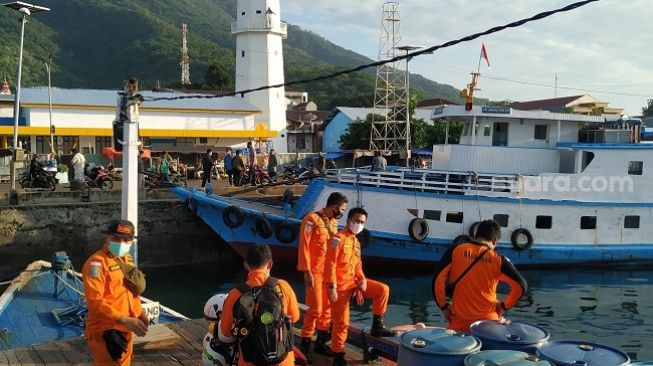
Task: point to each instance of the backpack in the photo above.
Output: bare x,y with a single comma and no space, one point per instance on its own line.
262,328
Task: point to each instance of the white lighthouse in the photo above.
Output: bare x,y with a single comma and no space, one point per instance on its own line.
259,33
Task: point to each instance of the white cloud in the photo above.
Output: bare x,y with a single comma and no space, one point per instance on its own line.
603,46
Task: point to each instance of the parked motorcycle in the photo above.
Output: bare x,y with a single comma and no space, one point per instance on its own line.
40,179
98,178
261,176
293,172
153,180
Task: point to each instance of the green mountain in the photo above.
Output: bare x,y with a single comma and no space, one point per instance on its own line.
99,43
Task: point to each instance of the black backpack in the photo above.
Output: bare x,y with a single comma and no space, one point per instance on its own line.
260,324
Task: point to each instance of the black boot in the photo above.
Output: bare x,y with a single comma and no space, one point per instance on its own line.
305,348
339,359
320,344
379,329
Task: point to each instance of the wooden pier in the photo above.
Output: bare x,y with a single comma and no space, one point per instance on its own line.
172,344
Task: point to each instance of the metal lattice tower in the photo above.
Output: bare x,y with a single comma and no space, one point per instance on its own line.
390,99
185,58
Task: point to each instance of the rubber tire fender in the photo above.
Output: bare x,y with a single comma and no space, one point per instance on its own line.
233,217
418,229
263,227
514,237
285,233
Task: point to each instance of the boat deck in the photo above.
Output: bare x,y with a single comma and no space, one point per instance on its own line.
170,344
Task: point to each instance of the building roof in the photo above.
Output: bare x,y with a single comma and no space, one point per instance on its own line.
305,116
455,111
108,98
546,103
353,113
435,102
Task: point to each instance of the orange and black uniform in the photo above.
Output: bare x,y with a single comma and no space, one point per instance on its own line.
257,278
475,296
108,299
315,233
344,268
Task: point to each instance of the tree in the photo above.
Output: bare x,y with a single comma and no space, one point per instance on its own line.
648,110
220,75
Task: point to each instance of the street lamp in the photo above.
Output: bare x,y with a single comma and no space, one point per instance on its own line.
408,48
25,9
48,68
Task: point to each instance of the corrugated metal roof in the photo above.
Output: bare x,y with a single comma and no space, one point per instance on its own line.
354,113
459,111
108,98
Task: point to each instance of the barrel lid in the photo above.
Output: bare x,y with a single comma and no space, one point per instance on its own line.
574,353
511,333
501,358
439,341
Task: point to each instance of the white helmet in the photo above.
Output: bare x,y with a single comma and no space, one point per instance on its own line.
213,307
207,339
217,353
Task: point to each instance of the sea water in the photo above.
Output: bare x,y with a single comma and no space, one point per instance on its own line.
610,307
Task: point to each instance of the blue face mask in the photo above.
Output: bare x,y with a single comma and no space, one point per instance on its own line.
119,248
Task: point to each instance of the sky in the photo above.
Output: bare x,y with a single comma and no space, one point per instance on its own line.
603,49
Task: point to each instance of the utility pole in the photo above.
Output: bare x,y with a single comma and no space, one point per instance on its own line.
185,58
48,66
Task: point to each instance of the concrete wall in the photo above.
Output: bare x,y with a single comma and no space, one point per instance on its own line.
169,234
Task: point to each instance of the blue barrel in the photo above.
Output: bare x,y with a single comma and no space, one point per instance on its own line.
573,353
501,358
436,346
512,336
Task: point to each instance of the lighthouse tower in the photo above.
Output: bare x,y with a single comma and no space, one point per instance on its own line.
259,33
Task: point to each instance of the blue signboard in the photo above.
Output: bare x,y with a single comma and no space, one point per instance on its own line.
497,110
9,121
438,110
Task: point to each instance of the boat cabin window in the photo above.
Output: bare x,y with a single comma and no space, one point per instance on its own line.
588,222
243,13
543,222
540,132
501,219
631,222
258,12
587,159
635,167
456,217
432,215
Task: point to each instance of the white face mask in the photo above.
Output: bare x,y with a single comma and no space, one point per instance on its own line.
356,228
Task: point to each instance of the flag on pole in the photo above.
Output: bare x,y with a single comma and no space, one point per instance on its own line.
484,55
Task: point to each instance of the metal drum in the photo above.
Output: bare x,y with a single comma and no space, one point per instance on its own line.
573,353
512,336
501,358
436,346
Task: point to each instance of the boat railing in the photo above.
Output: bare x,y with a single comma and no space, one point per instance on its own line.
422,180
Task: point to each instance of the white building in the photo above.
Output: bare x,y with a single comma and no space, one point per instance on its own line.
259,32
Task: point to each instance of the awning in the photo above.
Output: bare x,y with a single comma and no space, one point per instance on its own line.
422,152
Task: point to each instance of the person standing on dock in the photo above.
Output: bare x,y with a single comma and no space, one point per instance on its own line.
207,167
78,162
474,270
379,163
114,304
316,232
239,168
251,159
258,263
229,166
272,166
344,277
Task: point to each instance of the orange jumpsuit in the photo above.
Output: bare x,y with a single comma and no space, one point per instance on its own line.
475,297
315,233
343,269
108,299
290,308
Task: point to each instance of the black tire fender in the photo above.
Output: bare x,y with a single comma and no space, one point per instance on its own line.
263,227
285,233
233,217
516,244
418,229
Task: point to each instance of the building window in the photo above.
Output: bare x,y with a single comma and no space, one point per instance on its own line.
543,222
204,140
456,217
501,219
185,141
588,222
432,215
243,13
101,142
467,129
68,142
540,132
301,142
635,167
631,222
42,144
258,12
145,142
486,130
242,53
23,142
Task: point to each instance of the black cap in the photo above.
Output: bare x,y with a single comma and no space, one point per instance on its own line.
123,229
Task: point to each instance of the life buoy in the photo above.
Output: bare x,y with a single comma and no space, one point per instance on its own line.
460,239
263,227
365,238
514,239
285,233
233,217
473,228
418,229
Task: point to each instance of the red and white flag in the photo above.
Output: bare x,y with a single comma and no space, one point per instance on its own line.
484,55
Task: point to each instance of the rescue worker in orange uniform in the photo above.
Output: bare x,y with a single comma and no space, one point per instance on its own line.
345,277
475,295
316,232
258,263
114,312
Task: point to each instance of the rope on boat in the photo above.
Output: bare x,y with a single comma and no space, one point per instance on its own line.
65,283
18,279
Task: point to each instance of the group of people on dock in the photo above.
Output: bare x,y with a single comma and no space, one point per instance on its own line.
464,288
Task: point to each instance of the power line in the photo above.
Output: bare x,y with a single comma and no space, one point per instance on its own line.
410,55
